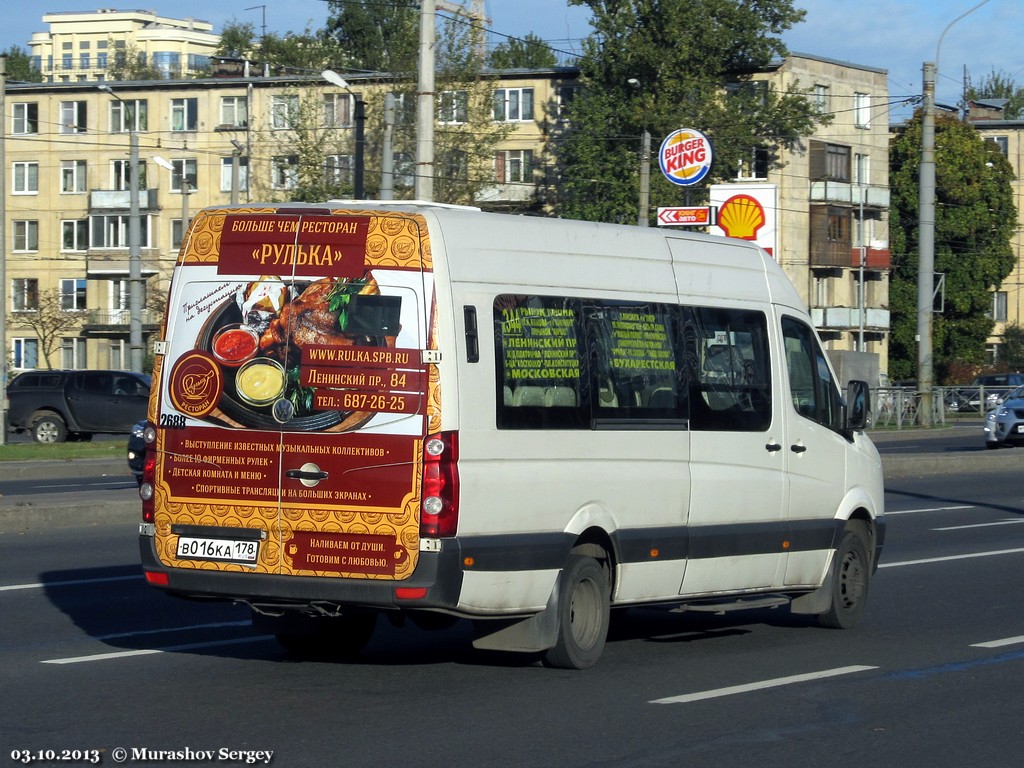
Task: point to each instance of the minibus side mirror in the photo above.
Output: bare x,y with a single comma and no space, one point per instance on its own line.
858,405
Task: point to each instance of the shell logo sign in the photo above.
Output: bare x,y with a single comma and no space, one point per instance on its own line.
747,212
741,216
685,156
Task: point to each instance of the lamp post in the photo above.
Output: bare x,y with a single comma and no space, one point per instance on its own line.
645,168
236,156
360,119
134,240
185,190
926,231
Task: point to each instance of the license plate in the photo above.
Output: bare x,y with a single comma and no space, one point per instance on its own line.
221,550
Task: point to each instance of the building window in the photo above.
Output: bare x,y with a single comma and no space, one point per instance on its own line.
284,172
26,236
25,353
72,176
1002,142
861,170
167,63
129,115
514,166
862,109
121,172
111,231
284,110
513,105
72,294
999,306
565,96
338,170
829,162
26,179
820,99
234,111
72,354
74,235
225,174
24,294
24,118
184,114
337,110
185,171
754,165
453,107
831,240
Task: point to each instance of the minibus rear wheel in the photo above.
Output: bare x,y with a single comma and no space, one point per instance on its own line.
583,615
850,579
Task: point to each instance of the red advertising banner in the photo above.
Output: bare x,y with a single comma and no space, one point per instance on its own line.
325,246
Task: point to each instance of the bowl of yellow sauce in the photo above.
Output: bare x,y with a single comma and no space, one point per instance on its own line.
260,381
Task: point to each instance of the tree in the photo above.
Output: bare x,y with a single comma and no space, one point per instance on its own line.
376,37
1011,351
50,322
291,52
529,52
19,66
691,62
997,85
974,221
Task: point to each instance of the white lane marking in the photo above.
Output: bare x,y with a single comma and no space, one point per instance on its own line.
948,558
150,651
927,509
1000,643
761,685
69,583
163,630
980,525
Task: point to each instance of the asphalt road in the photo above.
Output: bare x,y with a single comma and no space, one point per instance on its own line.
93,659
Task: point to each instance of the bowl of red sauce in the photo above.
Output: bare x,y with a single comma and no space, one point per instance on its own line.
233,344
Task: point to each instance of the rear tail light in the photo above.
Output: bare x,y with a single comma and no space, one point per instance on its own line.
439,512
148,475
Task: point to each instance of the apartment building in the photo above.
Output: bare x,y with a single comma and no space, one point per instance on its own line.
81,46
1008,298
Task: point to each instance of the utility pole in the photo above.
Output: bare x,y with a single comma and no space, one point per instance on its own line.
926,233
424,181
387,161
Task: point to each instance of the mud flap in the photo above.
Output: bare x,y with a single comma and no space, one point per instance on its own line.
534,634
820,600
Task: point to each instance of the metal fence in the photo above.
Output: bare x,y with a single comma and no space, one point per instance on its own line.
900,406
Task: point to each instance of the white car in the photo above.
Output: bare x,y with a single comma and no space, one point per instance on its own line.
1004,424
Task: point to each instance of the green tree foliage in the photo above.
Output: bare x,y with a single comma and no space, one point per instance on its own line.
1011,351
693,60
19,66
376,37
529,52
975,218
998,85
307,52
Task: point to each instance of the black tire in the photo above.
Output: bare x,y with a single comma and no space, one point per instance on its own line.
583,615
851,577
320,637
49,429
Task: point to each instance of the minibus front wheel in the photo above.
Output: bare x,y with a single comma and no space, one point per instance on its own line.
850,578
583,609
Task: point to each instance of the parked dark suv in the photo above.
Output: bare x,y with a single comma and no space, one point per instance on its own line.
55,406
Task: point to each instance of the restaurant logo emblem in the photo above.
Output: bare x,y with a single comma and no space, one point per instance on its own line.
196,384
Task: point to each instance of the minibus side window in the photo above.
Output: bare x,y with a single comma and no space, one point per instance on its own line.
729,368
637,373
541,373
813,391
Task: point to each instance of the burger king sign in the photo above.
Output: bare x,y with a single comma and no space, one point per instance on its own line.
685,156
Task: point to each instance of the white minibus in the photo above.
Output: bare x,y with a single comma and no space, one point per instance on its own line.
429,412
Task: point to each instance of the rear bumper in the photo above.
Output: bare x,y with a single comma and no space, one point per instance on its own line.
439,573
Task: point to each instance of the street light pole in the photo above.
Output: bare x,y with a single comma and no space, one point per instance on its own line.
359,114
926,232
134,241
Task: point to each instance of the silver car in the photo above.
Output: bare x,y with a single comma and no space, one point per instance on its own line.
1004,424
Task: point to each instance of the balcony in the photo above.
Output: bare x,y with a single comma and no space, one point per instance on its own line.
839,255
848,318
119,200
106,264
106,321
847,193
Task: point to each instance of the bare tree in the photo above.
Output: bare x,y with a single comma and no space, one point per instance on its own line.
50,322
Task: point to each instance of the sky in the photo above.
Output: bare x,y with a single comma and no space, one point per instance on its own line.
896,35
